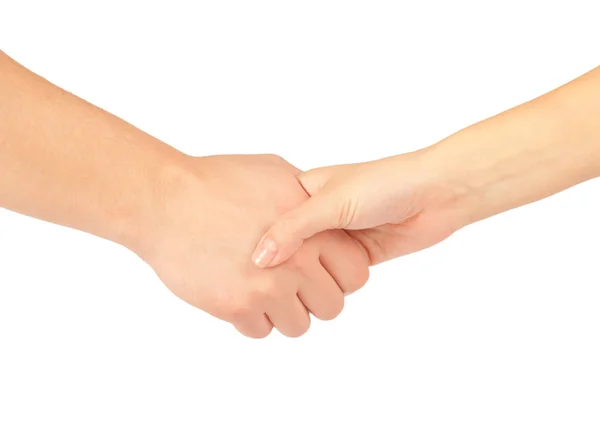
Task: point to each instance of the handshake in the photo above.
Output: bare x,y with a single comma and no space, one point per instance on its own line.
252,240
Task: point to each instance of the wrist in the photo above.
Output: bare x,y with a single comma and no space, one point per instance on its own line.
510,160
142,227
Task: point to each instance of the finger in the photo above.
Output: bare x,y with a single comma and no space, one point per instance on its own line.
321,294
343,260
286,235
290,317
255,326
266,253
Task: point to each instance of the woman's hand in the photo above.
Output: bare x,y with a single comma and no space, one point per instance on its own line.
402,204
391,207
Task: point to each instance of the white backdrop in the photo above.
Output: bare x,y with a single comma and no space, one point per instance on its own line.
498,325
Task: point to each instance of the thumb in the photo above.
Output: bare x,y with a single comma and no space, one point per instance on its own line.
285,236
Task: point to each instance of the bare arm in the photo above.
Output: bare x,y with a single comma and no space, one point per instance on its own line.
527,153
194,220
71,163
398,205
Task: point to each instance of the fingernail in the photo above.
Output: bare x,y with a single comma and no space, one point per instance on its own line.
265,252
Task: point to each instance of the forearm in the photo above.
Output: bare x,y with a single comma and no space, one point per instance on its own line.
65,161
525,154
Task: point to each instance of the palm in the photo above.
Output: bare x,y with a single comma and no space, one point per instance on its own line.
390,220
386,242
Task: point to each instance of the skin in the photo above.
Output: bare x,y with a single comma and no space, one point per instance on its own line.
67,162
193,220
402,204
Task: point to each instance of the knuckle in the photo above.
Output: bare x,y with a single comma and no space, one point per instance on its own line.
354,286
362,276
274,158
239,310
332,310
257,333
298,331
263,333
260,335
266,291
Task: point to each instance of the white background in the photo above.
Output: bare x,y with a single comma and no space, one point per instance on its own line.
498,325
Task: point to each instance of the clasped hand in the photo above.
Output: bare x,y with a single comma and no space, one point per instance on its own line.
219,207
216,210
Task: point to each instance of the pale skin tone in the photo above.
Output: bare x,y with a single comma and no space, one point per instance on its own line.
65,161
194,220
402,204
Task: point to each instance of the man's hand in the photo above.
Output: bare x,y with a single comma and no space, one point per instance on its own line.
215,209
194,220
